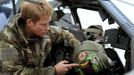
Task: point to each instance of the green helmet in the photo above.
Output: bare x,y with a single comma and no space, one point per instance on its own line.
92,58
93,31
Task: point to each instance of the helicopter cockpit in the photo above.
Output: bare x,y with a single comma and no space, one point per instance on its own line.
67,16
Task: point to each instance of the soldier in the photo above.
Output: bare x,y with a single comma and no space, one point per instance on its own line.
27,41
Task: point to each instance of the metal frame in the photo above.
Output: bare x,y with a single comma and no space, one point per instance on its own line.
16,6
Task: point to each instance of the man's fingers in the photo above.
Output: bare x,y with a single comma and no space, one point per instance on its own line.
64,62
69,66
73,65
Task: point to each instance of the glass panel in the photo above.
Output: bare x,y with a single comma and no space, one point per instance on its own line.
127,7
89,17
5,11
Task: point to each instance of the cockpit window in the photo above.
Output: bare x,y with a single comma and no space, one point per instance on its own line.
90,17
127,7
7,11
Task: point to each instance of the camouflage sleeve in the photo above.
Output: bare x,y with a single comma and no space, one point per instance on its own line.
67,37
10,63
70,39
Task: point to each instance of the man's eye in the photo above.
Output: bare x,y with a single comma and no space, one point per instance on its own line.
43,24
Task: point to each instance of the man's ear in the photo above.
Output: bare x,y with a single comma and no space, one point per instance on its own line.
29,22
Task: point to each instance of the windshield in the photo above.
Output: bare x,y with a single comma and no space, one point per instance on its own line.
89,17
7,12
127,7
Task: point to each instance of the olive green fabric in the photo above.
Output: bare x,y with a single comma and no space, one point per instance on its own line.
20,55
93,48
97,27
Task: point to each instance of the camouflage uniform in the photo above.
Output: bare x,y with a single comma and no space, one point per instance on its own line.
20,55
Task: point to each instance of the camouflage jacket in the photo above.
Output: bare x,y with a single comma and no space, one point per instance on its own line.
22,56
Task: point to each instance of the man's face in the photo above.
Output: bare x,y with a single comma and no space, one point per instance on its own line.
41,27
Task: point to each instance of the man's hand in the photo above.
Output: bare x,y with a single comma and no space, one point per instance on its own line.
63,66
